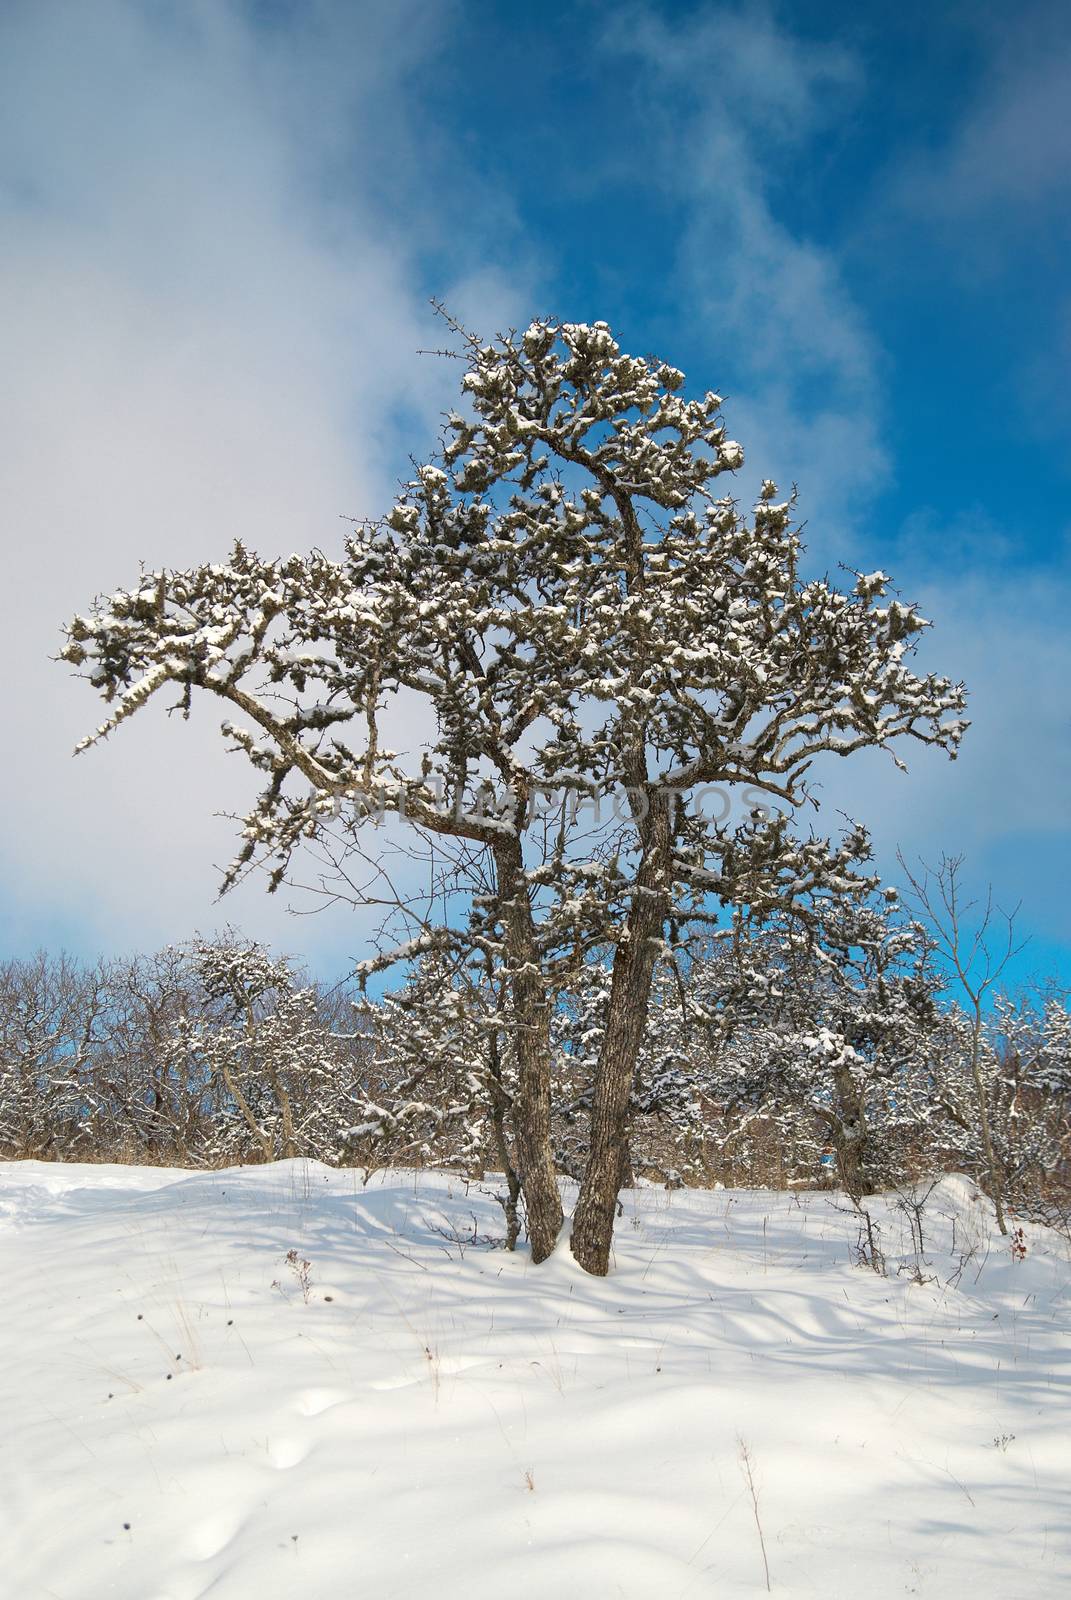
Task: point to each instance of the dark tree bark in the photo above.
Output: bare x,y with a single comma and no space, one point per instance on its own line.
630,992
500,1104
849,1134
531,1018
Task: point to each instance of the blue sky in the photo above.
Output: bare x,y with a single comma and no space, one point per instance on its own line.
222,221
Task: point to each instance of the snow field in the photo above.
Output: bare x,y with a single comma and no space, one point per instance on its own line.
430,1416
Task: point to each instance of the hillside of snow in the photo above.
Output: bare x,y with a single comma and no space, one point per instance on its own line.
418,1413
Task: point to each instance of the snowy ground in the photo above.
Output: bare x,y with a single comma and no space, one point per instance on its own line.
444,1421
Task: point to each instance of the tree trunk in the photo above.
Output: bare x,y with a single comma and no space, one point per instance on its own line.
593,1223
286,1112
499,1105
630,992
510,1202
531,1016
267,1146
849,1136
996,1187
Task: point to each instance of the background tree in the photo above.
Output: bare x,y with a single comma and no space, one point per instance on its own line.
148,1099
441,1075
582,613
800,1036
260,1036
738,1080
50,1023
976,943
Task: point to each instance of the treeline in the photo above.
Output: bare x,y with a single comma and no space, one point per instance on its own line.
774,1057
784,1055
201,1055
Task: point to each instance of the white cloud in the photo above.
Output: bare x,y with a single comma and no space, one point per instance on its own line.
212,308
1005,802
211,323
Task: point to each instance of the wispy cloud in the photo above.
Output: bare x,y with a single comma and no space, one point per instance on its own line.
1006,801
737,103
1009,154
986,205
741,104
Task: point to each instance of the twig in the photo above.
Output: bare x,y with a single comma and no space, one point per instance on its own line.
749,1479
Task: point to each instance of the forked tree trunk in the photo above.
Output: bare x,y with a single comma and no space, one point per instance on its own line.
531,1017
630,992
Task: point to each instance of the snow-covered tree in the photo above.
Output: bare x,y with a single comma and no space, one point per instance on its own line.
584,613
795,1037
441,1074
50,1023
975,942
1031,1040
1014,1064
147,1098
260,1037
871,990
